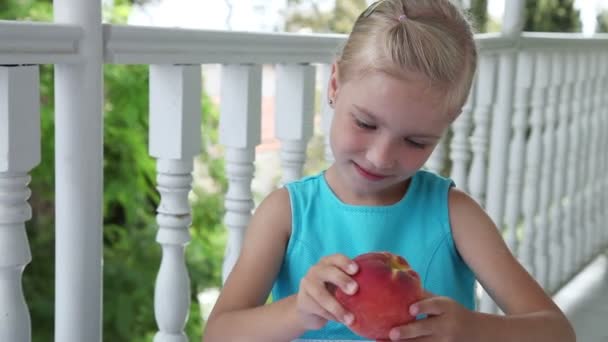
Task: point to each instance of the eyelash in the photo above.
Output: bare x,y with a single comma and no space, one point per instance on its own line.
365,126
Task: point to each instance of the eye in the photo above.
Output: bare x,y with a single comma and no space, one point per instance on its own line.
414,143
364,125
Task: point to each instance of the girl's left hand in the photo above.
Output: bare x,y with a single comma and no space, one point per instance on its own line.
446,321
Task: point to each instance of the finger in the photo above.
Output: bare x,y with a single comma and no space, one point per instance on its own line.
414,330
315,308
329,303
431,306
335,276
341,261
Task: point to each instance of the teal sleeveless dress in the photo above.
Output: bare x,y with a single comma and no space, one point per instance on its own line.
417,227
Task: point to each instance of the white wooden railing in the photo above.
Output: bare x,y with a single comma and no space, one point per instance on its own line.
530,146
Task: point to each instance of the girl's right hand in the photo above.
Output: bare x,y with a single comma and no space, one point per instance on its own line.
315,303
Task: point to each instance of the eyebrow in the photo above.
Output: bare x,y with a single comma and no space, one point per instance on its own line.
369,113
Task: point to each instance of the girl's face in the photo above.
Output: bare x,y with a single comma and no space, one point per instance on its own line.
383,131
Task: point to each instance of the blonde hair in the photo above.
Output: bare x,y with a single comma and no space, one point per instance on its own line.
398,37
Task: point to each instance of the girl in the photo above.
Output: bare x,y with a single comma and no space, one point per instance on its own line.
401,79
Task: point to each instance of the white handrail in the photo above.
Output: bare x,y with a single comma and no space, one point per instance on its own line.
151,45
38,43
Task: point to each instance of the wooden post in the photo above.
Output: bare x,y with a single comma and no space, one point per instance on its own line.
19,153
79,179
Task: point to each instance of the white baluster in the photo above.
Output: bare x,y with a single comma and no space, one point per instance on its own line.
327,113
547,171
460,153
572,160
481,118
175,139
581,117
500,135
517,150
557,250
594,153
532,169
240,133
294,116
19,154
603,188
590,181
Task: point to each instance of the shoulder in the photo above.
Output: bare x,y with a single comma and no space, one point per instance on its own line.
466,213
275,208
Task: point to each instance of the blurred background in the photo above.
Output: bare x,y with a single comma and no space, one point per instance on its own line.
130,260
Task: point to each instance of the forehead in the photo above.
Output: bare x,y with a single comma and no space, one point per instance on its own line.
411,99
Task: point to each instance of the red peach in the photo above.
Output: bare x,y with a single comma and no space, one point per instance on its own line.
387,288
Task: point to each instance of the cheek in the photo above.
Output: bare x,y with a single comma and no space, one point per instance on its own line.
415,158
344,138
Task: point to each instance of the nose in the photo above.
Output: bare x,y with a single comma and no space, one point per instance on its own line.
382,154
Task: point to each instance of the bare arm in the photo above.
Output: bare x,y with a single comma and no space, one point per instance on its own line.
531,315
240,313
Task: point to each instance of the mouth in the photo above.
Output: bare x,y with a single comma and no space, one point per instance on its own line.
368,174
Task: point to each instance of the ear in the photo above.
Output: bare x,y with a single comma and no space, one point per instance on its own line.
333,86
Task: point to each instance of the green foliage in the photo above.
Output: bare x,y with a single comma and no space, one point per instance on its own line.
602,22
552,16
339,20
131,255
479,15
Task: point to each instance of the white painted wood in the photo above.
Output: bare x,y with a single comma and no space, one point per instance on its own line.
152,45
581,124
533,235
480,139
19,154
175,111
513,18
547,171
295,96
172,288
500,136
175,139
557,247
327,113
460,152
79,179
499,144
240,133
19,118
536,41
603,188
572,174
596,156
39,43
517,151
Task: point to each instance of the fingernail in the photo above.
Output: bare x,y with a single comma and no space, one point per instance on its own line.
351,288
352,268
413,310
394,335
348,319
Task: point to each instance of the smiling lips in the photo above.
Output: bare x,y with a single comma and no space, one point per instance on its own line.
368,175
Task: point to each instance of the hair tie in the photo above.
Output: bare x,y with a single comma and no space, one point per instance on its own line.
402,18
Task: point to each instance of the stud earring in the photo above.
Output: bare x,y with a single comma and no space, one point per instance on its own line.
331,102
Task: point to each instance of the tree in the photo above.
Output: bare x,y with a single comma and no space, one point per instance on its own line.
131,255
479,15
303,14
602,22
552,16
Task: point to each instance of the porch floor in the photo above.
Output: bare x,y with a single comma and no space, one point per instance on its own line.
585,301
